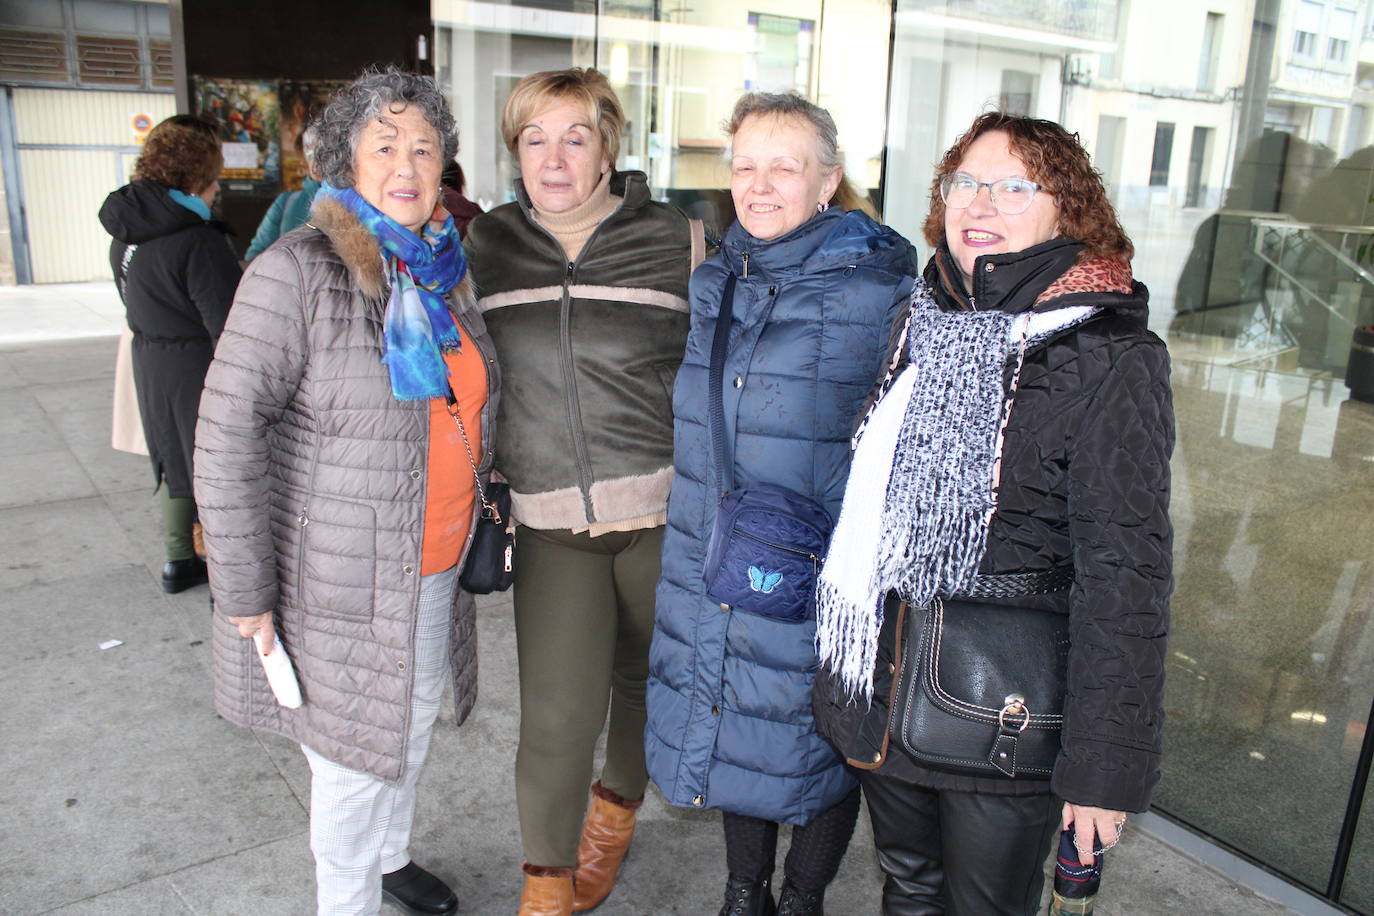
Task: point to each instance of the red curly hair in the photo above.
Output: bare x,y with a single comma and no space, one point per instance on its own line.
1056,160
182,152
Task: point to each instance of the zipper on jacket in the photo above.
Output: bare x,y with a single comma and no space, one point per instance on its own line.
744,259
572,401
579,436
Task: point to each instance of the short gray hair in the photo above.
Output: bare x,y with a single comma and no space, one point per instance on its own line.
790,105
367,98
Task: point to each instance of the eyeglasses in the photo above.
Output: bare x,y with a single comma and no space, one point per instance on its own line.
1009,195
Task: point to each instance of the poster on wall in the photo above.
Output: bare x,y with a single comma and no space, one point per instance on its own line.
301,102
247,115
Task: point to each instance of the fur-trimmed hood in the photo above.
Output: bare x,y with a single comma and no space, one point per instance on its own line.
362,255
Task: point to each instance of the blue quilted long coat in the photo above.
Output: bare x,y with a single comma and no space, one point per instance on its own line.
729,701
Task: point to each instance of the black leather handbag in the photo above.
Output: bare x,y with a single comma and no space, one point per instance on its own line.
981,688
489,566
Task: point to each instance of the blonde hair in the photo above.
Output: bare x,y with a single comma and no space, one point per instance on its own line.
587,87
848,197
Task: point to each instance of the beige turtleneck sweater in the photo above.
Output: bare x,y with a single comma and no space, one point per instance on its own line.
573,227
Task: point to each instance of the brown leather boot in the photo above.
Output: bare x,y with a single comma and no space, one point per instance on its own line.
548,891
606,838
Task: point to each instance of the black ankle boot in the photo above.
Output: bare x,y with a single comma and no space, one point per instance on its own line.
179,575
744,897
417,891
793,901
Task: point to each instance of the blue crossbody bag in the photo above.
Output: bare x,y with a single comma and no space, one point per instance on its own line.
768,541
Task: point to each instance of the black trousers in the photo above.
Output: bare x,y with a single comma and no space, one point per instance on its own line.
959,853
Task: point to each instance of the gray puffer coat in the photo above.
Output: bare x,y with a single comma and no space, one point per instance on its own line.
311,481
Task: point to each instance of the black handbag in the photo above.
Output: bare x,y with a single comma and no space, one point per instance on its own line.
981,688
490,564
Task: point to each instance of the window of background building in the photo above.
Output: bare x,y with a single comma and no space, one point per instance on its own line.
1163,154
1198,155
1211,49
1342,34
1307,26
1018,92
781,58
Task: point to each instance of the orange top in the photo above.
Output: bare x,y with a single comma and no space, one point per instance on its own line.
451,493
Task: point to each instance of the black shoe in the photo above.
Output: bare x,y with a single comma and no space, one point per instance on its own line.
179,575
793,901
417,891
747,898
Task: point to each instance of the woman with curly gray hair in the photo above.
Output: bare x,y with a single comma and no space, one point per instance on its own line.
343,447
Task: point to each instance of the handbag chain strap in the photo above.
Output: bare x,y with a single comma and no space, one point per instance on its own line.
489,509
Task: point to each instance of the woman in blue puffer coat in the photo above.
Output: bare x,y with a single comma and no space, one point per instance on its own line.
816,292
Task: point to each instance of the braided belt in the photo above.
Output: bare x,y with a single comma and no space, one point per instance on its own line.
1019,585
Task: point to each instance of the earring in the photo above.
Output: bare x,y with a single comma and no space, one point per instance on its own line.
821,208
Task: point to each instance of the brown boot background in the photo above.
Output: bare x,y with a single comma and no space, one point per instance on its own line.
547,891
606,836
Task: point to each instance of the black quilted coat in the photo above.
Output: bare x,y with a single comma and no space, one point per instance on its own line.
1085,482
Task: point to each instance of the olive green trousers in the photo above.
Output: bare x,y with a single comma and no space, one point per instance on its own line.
584,615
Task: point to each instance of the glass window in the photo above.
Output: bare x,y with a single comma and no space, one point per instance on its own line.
1211,47
1198,157
39,13
1164,152
678,69
1256,255
105,16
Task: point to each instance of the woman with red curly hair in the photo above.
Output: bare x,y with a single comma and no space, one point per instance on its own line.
1010,482
176,274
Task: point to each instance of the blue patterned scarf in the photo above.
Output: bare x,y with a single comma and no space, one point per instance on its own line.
418,325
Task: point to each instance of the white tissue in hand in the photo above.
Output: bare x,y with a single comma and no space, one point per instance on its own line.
280,674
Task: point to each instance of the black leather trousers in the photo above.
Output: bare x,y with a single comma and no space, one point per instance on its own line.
959,853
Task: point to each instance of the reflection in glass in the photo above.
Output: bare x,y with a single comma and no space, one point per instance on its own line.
678,68
1257,242
1242,163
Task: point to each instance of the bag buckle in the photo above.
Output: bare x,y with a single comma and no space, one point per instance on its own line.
1015,706
1003,754
491,513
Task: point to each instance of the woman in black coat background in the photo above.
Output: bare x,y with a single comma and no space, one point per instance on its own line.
177,274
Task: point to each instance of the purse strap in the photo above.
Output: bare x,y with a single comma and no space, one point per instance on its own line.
715,387
489,509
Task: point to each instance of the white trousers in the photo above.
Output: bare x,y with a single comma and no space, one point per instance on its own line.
360,825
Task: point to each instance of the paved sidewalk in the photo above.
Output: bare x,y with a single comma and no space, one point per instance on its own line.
124,795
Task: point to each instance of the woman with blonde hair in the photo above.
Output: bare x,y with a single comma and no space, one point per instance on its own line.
583,285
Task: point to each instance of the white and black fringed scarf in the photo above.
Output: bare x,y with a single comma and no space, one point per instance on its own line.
923,483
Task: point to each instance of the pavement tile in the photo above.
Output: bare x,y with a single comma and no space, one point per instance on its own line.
87,434
46,542
44,477
125,767
155,897
66,361
271,879
25,427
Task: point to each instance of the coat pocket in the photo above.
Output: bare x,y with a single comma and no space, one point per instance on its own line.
338,558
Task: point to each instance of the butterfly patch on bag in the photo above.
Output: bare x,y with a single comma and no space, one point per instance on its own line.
763,581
